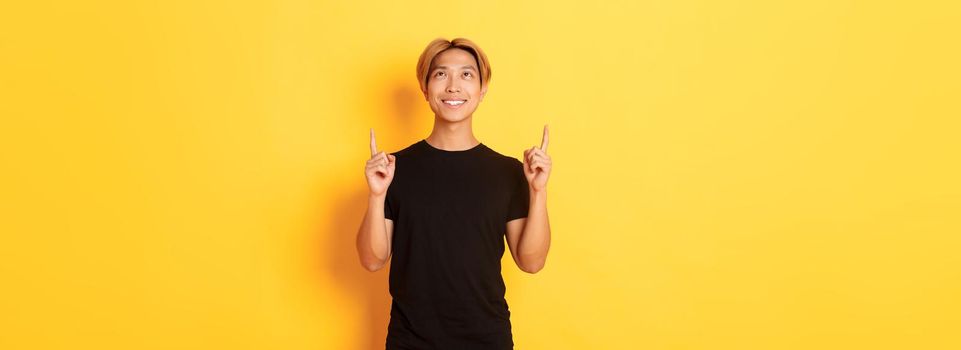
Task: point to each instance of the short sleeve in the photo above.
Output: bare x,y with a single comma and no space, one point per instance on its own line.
390,211
388,208
520,197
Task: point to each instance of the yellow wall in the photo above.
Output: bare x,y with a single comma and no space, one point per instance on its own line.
727,175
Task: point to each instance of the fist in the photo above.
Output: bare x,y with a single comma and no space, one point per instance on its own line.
380,169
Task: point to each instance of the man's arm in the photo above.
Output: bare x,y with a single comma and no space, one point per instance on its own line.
375,234
529,238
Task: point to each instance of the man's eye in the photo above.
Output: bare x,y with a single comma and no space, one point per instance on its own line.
439,74
468,74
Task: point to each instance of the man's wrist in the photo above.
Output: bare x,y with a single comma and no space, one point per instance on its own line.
536,192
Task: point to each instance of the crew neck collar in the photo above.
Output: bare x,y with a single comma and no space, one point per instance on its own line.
428,146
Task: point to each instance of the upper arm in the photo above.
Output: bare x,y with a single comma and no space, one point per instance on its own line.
514,229
517,210
390,238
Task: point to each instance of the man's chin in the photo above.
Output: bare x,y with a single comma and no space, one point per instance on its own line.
453,117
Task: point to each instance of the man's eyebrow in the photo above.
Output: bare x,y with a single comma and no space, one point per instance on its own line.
463,67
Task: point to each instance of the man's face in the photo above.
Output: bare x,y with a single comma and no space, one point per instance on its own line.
454,85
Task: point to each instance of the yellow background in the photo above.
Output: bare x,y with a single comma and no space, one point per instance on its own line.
727,174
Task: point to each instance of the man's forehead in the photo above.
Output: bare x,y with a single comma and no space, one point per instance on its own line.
470,66
454,58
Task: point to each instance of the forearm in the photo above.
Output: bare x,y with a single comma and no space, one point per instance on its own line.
372,243
535,240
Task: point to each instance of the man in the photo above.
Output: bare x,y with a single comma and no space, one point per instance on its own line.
441,208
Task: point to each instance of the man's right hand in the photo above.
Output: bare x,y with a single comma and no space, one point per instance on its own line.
380,169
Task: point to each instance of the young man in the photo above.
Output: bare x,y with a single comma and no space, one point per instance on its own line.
441,208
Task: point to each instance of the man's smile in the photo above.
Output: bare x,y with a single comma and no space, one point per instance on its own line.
453,103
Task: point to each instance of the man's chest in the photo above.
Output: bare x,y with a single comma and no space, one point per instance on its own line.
462,189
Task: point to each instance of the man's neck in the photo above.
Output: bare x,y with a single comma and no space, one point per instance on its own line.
457,136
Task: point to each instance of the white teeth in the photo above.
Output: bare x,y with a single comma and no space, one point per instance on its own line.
454,103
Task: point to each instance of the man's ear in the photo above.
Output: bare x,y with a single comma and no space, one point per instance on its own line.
483,91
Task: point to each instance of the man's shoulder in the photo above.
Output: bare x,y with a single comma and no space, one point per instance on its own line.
502,158
411,149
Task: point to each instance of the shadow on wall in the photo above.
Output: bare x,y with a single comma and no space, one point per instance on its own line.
338,236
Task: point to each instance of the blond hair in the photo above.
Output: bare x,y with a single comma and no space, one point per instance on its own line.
440,45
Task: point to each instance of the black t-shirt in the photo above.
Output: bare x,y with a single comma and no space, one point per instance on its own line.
450,210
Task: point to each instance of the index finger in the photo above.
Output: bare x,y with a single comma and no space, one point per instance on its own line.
373,143
544,139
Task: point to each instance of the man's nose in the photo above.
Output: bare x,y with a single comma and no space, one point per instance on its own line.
451,87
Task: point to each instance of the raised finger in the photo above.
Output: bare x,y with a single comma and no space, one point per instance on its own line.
544,139
373,143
